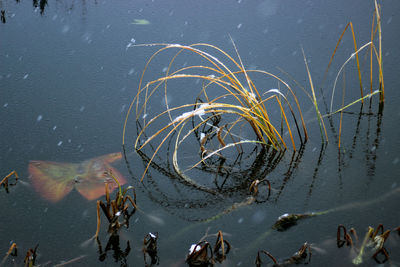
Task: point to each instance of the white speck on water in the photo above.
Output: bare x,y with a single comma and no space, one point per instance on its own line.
164,69
131,43
59,143
389,20
39,118
395,161
294,53
82,108
144,116
122,108
45,210
54,127
314,149
240,220
239,263
26,76
20,58
65,28
373,148
108,26
239,25
5,105
87,37
131,71
387,54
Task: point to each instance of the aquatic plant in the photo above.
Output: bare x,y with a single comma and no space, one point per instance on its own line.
5,182
372,241
150,249
302,256
202,254
116,208
229,102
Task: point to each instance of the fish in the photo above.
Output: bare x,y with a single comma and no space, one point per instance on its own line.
54,180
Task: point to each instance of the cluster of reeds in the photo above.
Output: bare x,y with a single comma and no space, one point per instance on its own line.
229,102
236,104
373,54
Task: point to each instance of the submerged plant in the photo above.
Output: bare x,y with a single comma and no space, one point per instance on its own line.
287,220
5,182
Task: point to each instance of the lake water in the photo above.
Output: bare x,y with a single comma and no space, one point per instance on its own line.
69,71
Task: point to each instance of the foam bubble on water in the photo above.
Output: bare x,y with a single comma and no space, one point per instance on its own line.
59,143
240,220
5,105
239,25
164,69
39,118
54,127
131,71
26,76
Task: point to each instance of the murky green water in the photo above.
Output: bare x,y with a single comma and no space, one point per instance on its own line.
68,73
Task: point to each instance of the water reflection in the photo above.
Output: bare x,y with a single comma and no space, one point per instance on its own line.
113,245
41,4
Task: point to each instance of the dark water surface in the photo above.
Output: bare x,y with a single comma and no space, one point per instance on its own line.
68,75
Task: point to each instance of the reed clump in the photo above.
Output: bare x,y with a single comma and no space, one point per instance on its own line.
228,103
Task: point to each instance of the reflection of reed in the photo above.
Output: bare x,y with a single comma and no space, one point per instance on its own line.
231,183
41,5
